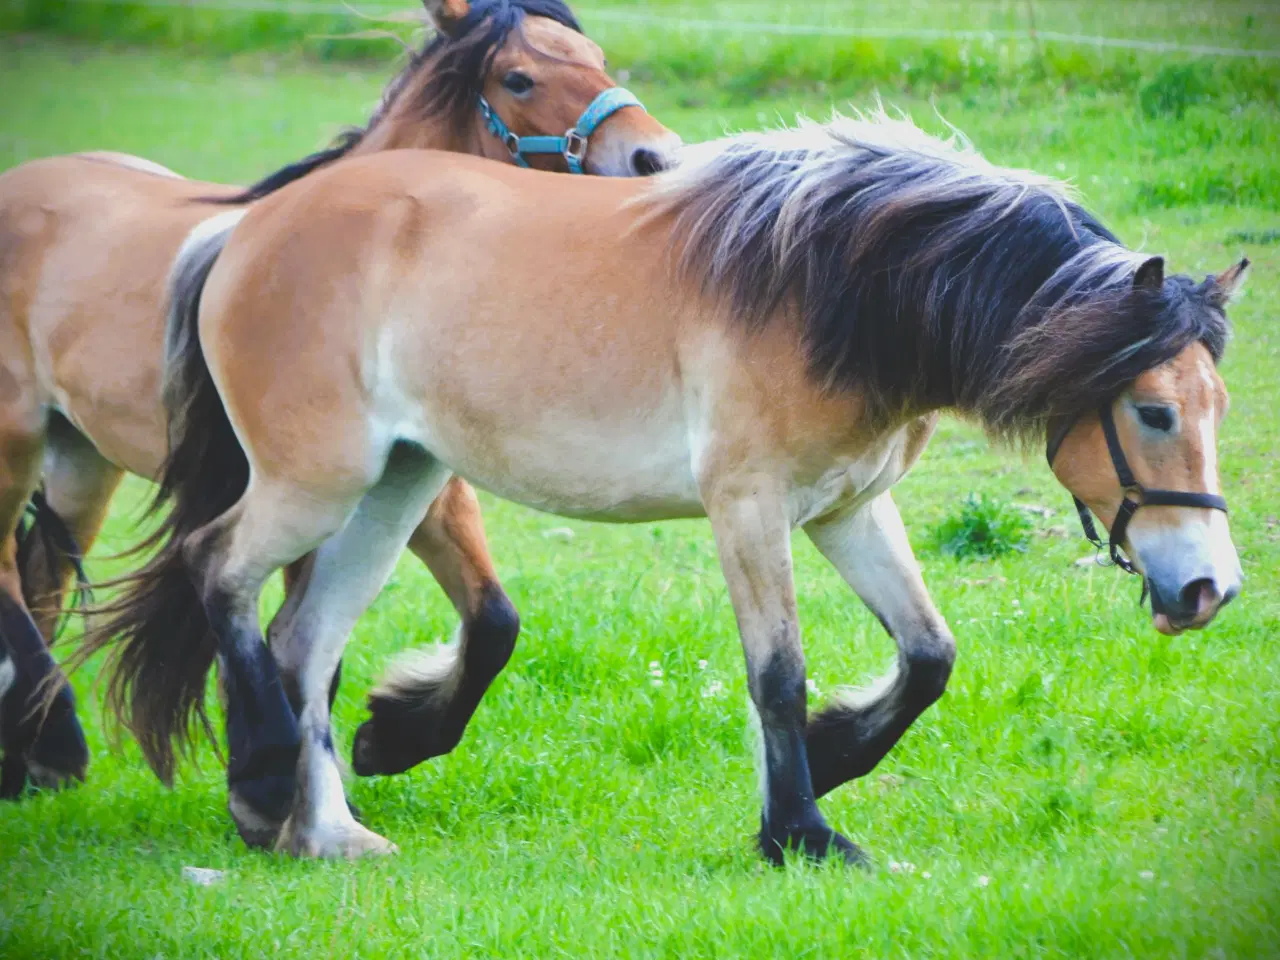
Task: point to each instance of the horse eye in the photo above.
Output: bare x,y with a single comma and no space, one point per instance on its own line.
1157,418
518,83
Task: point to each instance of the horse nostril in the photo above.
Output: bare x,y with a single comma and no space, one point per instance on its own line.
1198,596
646,162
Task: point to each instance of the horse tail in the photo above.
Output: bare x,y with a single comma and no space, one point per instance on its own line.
162,643
291,172
43,526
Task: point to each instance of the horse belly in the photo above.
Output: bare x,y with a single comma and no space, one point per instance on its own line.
561,460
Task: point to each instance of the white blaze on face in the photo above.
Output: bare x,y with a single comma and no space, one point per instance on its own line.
1198,545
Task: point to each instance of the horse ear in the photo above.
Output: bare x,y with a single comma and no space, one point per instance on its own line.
1151,274
1228,281
446,15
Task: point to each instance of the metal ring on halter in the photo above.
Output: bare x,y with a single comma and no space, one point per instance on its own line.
1131,488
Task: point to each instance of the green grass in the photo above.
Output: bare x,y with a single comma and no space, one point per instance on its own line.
1117,789
983,528
719,47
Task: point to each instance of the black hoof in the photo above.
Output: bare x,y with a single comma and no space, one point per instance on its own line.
256,827
60,755
816,843
380,746
13,776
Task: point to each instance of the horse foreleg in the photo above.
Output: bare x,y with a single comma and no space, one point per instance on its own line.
425,701
869,547
753,537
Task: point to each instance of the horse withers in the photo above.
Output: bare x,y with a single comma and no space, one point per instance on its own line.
764,336
86,242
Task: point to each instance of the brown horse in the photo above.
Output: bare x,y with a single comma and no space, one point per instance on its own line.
86,242
764,336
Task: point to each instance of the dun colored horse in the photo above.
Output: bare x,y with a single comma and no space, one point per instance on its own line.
86,242
764,336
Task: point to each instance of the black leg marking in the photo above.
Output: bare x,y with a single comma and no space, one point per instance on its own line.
791,819
412,725
847,741
262,731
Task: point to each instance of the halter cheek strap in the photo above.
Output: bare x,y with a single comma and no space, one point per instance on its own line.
1135,494
573,145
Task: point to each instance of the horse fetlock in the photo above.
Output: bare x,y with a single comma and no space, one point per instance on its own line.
929,669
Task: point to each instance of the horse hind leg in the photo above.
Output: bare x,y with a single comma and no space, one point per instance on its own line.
346,575
425,701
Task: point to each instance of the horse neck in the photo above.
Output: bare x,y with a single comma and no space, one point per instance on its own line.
403,127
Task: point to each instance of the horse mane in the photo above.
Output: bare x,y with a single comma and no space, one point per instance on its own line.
448,73
923,276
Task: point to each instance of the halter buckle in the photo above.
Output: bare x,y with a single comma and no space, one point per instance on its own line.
575,146
512,143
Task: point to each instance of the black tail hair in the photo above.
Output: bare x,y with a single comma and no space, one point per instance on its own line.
42,525
161,639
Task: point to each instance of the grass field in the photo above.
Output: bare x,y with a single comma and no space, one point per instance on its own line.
1086,788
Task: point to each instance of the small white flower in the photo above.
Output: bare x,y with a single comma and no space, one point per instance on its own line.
702,664
927,875
1016,603
1147,874
713,689
655,668
812,686
656,682
895,866
984,881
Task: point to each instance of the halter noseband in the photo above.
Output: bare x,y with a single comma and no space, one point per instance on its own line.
573,145
1145,497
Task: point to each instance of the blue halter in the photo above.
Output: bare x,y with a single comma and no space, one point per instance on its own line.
573,145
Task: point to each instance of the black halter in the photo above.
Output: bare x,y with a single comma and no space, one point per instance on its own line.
1135,494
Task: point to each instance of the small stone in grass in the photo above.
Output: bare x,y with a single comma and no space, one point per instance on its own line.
563,534
203,876
1147,874
1086,561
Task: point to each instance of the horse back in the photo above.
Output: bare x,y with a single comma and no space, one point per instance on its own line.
86,242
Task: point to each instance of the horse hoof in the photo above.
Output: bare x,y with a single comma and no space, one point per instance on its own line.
51,778
255,829
13,776
348,841
816,843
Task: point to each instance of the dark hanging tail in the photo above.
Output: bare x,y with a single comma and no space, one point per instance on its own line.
156,627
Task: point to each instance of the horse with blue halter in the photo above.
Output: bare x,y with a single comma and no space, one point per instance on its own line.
88,240
765,336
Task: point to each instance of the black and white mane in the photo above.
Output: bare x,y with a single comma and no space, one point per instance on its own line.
923,276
